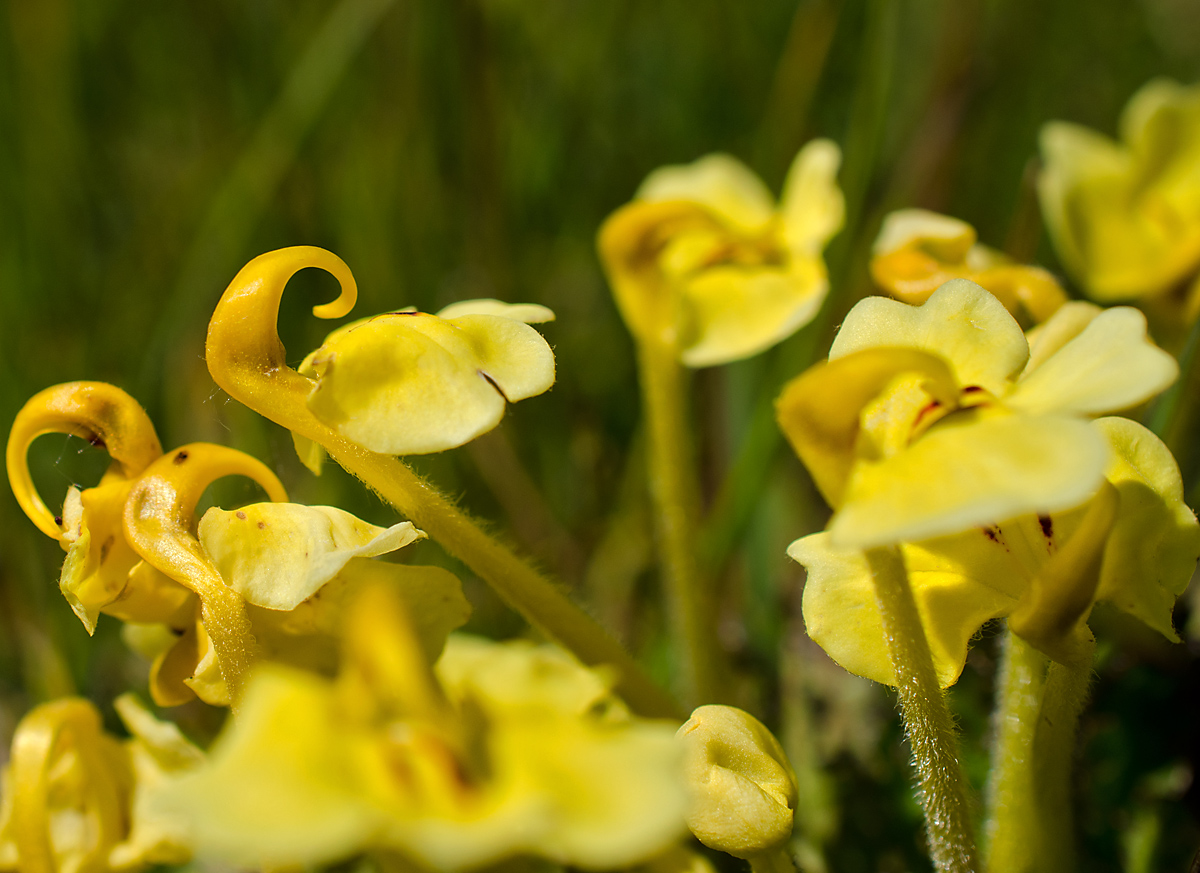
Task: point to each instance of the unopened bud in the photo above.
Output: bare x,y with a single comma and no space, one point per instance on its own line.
741,787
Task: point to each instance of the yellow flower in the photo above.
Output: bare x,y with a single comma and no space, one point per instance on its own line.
511,749
409,383
1125,217
101,573
947,429
918,251
703,261
75,798
929,420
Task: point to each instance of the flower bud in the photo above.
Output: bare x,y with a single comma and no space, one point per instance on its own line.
741,787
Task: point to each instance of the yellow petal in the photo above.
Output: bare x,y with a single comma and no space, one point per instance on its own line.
411,383
1068,322
719,182
1151,553
841,613
960,322
733,313
306,636
513,356
967,472
527,313
310,453
156,750
1110,365
520,675
277,555
820,410
280,787
1059,599
812,207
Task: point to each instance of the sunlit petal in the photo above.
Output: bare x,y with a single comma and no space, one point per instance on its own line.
961,322
987,470
1110,365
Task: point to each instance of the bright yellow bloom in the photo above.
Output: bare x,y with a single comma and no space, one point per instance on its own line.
742,791
946,428
1135,546
704,261
1125,217
409,383
74,797
929,420
918,251
511,749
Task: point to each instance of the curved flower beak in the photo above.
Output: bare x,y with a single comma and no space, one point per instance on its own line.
98,412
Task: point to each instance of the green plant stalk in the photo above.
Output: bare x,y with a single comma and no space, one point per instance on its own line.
927,719
1013,828
1054,754
674,494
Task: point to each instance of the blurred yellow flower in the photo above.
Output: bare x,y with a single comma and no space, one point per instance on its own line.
1134,545
704,261
930,420
511,749
918,251
1125,216
74,797
408,383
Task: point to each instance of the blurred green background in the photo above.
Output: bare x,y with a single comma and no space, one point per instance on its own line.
449,149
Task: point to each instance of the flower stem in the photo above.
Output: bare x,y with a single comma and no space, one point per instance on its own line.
542,603
1014,822
1029,824
927,718
674,494
1054,754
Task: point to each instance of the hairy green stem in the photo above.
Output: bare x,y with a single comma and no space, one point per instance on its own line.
927,718
1013,828
1054,755
675,498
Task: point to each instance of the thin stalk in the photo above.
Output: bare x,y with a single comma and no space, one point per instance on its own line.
1015,836
927,718
1054,755
674,493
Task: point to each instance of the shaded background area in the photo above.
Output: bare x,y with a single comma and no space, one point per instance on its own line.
449,149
